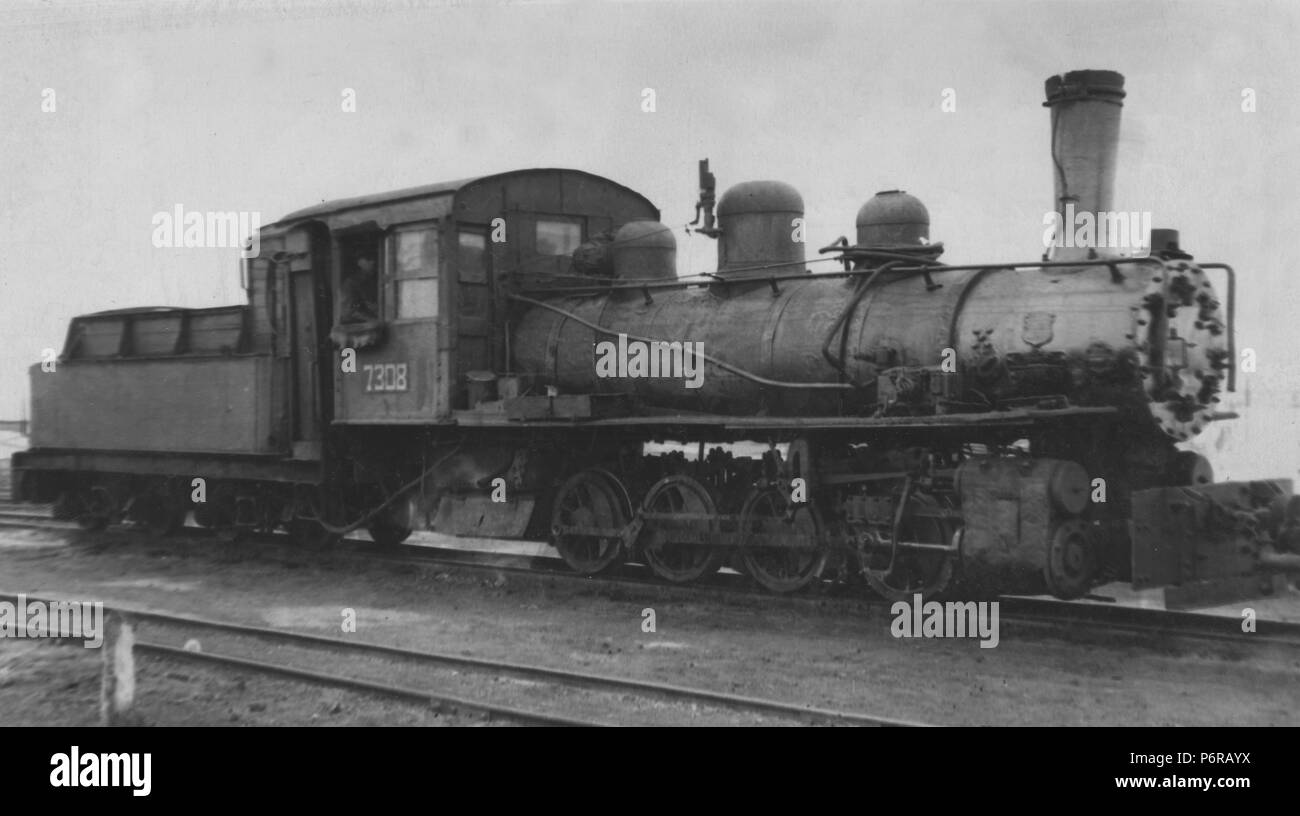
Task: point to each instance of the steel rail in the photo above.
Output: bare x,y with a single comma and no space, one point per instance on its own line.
1014,609
434,699
562,677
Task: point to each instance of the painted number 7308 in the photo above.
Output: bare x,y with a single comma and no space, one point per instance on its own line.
385,376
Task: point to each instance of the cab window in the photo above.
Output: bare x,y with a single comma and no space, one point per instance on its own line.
472,264
415,269
557,237
358,296
473,256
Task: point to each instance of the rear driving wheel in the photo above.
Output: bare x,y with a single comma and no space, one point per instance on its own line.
591,512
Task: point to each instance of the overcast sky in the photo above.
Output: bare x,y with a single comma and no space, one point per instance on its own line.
237,106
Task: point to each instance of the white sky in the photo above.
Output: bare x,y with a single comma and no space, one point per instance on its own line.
236,106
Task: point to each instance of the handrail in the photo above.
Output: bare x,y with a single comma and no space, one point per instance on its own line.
1232,327
597,287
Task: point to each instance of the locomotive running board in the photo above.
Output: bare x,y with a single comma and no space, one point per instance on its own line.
1014,417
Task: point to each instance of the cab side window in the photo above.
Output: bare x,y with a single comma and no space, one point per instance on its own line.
555,236
473,278
358,300
473,255
415,271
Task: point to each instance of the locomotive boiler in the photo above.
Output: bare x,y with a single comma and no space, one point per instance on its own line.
913,425
1120,330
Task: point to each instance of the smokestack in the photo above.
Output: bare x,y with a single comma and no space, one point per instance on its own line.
1085,140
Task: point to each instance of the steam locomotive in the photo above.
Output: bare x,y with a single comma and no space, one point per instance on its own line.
916,426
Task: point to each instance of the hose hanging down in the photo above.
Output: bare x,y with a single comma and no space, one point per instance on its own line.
401,491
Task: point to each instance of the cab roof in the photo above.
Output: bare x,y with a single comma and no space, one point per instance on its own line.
327,208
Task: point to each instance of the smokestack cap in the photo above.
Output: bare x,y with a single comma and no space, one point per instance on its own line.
893,218
1106,86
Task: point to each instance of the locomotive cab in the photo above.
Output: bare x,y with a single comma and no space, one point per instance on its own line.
405,344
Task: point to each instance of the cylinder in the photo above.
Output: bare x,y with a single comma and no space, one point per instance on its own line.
1086,108
1068,486
762,229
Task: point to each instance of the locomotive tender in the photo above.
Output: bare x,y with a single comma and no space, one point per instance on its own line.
1010,428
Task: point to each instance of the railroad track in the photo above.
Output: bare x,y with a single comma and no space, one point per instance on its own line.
1157,623
1160,624
30,515
1070,617
436,679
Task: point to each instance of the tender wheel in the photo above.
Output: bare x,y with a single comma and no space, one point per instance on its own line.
927,573
65,506
767,512
233,535
1071,561
159,515
217,511
591,499
94,508
677,555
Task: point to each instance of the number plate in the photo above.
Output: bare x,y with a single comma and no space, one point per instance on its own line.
385,376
